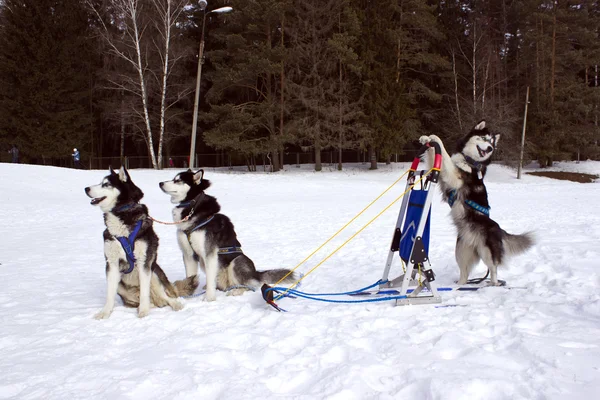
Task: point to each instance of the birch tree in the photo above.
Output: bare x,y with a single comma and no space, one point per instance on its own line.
141,35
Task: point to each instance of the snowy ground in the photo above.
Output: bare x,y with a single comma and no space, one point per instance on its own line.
542,342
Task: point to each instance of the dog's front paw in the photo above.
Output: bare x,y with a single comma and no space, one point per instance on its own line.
210,297
424,139
435,139
143,312
236,292
103,314
176,306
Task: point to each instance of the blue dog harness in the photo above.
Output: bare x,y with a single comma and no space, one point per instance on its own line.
128,244
222,250
200,225
230,250
470,203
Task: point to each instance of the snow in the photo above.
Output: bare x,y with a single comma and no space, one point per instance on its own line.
540,340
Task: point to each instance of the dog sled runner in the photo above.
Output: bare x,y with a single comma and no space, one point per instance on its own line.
410,240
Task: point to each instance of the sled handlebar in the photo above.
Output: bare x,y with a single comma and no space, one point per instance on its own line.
437,162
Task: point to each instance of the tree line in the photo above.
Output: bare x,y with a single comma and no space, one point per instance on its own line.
117,77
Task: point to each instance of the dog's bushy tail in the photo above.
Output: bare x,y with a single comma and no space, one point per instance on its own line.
274,275
187,286
517,244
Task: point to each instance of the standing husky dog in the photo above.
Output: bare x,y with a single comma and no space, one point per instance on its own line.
209,239
461,181
132,273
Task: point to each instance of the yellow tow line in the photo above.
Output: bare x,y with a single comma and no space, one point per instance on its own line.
351,237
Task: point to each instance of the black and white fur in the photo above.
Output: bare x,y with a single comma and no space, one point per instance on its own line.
118,198
200,246
479,237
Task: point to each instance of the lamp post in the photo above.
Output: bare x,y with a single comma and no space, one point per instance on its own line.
221,10
523,136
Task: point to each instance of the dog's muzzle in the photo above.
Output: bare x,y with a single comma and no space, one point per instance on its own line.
483,152
95,200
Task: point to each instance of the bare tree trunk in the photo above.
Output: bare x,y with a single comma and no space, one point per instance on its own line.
318,164
169,14
372,157
132,36
281,88
596,105
553,65
543,55
122,152
474,68
487,72
340,126
140,70
505,59
399,44
271,123
537,67
456,90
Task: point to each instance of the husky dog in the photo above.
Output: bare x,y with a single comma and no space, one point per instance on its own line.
207,238
461,182
132,273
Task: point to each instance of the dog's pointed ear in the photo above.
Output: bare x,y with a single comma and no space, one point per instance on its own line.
112,171
123,175
496,138
480,126
198,175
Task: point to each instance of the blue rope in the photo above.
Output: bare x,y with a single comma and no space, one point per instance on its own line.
292,293
379,282
194,295
280,290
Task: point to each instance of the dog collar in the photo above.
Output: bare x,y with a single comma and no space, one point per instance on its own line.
125,207
473,164
191,202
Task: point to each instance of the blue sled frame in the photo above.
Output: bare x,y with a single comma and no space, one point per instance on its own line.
417,282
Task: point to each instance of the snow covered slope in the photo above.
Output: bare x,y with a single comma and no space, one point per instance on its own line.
542,342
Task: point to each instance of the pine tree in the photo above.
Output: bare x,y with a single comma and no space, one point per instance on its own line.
322,74
398,49
247,107
46,60
566,49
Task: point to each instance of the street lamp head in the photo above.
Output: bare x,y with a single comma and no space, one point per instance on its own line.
222,10
202,4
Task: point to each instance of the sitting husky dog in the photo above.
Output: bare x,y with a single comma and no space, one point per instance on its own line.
130,247
461,181
208,238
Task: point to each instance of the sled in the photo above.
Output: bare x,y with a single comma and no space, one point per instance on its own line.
411,239
417,283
